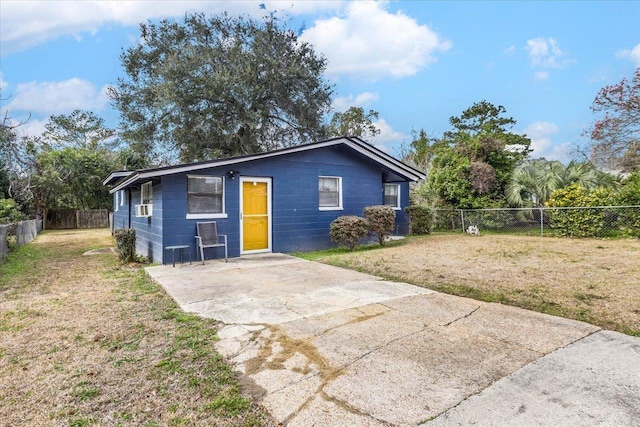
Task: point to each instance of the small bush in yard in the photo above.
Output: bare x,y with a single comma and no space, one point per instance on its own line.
126,243
348,230
381,219
580,222
420,219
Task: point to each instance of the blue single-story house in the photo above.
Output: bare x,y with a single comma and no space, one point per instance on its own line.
278,201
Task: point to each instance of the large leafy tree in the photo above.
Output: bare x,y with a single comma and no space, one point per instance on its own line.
420,154
65,165
13,159
473,163
354,122
72,178
615,133
217,86
80,129
7,136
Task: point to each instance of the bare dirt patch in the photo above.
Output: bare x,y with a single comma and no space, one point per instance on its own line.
597,281
85,340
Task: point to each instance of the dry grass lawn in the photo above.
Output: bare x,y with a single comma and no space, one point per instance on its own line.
597,281
87,341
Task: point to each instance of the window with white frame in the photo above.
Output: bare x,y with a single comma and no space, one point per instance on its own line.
205,197
392,195
119,200
330,193
146,193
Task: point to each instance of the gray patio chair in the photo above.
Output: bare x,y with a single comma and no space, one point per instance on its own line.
208,237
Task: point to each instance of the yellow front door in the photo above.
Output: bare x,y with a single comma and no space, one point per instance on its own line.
254,217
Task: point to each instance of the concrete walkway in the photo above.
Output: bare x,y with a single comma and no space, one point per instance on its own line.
320,345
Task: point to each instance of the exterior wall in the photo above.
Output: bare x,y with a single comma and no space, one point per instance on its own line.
149,235
297,222
402,219
121,216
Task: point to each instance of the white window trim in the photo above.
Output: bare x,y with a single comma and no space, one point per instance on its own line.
121,197
117,202
150,185
399,205
333,208
220,215
206,216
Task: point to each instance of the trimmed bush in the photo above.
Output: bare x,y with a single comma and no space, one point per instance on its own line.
382,220
420,219
348,230
126,243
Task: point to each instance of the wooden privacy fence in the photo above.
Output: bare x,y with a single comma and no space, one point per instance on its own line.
25,232
72,218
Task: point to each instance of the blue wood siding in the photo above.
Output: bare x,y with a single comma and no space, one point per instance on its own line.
149,234
297,222
121,216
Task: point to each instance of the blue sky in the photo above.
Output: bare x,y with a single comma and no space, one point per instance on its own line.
416,63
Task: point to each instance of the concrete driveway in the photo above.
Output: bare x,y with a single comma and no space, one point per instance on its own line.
324,346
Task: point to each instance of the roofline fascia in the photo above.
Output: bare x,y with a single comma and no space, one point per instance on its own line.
354,143
116,174
415,173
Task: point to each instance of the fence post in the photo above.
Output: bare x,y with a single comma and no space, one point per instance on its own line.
541,222
462,219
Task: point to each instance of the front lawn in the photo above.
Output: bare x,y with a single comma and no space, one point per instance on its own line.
87,341
596,281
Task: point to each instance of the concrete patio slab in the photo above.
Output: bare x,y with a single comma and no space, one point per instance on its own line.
272,288
320,345
593,381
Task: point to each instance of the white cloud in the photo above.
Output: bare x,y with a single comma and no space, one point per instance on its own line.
370,42
33,127
510,50
28,23
388,140
546,53
361,100
540,75
541,135
58,97
633,54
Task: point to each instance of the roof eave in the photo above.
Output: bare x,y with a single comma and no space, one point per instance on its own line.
354,143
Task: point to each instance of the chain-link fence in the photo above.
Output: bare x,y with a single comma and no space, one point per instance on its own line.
599,221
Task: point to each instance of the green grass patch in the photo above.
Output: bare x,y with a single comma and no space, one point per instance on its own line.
84,390
19,265
81,421
316,255
470,292
229,406
119,315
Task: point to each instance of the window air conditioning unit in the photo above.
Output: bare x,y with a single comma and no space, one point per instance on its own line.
144,210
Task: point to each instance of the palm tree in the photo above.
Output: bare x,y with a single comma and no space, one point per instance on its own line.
533,182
